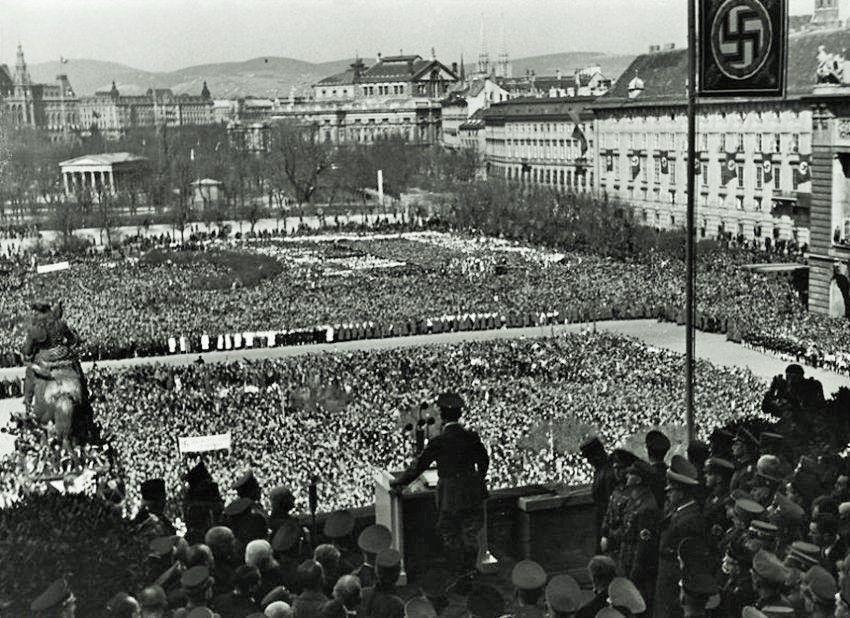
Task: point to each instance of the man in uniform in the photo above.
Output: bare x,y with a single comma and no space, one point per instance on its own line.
151,520
639,547
382,600
682,519
337,530
744,451
657,445
373,540
462,464
593,451
718,471
612,524
529,580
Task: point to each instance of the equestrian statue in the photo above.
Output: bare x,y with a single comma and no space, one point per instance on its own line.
55,389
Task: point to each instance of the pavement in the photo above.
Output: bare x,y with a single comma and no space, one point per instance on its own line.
709,346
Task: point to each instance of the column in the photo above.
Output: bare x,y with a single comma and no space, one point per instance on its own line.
65,182
111,182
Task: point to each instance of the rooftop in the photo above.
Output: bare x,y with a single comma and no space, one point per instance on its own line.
665,73
106,158
534,107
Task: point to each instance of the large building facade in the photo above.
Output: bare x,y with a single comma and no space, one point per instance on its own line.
398,95
541,141
754,178
50,107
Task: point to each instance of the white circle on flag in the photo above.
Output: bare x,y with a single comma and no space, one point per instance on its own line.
767,165
741,38
635,160
804,166
731,164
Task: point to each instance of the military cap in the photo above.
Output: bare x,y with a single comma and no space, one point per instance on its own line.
609,612
161,546
788,509
118,603
152,597
748,509
693,551
623,458
56,595
278,593
286,536
718,464
642,469
623,593
387,559
698,583
563,594
485,602
657,441
246,481
806,552
682,472
281,496
591,445
751,612
153,490
794,368
528,575
240,506
844,510
450,401
821,583
218,536
374,538
339,524
770,467
745,437
196,577
200,612
419,607
763,529
768,567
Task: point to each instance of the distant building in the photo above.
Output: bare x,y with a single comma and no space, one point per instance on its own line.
107,172
541,141
52,107
397,95
477,94
584,82
113,114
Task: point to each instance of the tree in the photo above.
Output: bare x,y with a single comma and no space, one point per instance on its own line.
302,157
65,215
107,210
180,173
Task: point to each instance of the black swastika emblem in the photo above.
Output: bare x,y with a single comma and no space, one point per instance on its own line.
742,47
741,38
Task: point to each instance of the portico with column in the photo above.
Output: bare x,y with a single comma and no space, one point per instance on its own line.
99,173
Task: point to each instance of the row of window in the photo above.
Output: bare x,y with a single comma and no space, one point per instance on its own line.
554,177
727,142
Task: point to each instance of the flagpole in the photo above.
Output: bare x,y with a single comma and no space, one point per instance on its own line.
689,245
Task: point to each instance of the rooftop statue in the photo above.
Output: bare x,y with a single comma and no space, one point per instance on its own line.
830,67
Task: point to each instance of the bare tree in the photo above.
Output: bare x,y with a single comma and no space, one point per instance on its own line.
302,158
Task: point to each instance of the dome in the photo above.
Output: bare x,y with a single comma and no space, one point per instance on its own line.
636,86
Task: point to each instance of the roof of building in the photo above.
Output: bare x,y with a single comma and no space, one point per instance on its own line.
537,108
205,182
387,69
476,121
105,158
665,73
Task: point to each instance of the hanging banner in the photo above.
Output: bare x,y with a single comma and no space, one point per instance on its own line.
201,444
52,268
742,47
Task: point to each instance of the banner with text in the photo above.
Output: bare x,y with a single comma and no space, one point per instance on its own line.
201,444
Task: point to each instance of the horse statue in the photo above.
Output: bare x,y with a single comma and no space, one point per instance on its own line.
55,390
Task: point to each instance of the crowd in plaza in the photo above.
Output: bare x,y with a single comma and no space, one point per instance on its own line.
332,419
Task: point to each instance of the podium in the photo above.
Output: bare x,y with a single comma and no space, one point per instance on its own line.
418,497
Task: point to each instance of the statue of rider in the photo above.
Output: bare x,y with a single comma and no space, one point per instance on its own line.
49,340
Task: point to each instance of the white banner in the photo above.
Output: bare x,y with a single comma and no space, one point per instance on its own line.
200,444
49,268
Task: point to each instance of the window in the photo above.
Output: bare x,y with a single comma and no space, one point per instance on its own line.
777,176
757,203
562,178
759,177
703,142
740,171
777,142
672,220
740,147
704,174
643,170
795,142
739,202
722,142
759,143
656,169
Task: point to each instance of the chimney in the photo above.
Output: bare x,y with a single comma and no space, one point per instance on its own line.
433,54
454,68
671,46
379,57
558,74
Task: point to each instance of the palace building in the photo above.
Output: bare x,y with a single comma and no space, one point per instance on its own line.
397,95
544,141
754,155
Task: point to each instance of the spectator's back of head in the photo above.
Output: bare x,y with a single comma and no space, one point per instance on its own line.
278,609
347,591
153,602
602,571
246,578
199,555
328,556
309,575
257,553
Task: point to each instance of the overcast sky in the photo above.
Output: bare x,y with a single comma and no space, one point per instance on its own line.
170,34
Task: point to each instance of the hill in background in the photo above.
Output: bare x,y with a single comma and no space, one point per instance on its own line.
269,76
